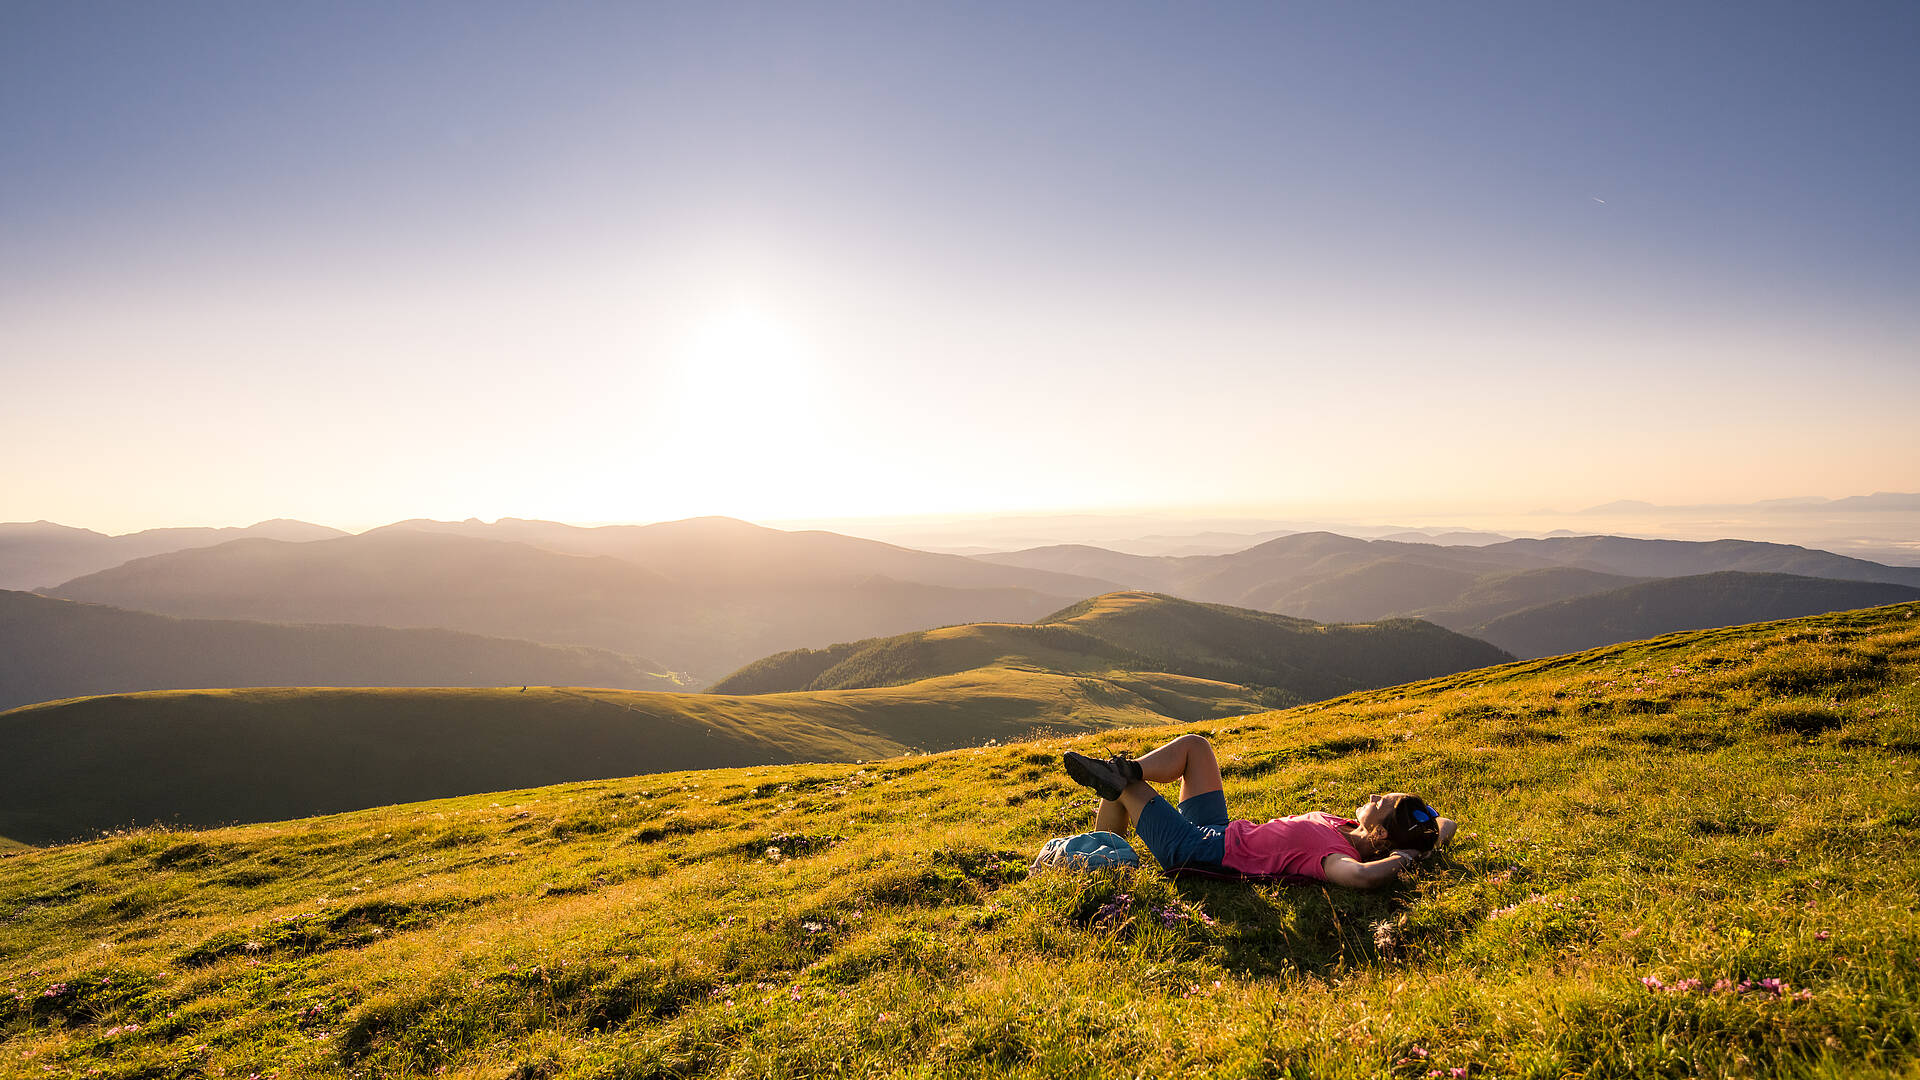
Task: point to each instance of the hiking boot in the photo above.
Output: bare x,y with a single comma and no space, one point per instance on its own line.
1107,778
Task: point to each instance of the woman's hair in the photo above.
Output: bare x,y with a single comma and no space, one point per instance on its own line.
1412,824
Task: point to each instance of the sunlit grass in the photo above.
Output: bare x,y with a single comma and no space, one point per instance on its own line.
1641,825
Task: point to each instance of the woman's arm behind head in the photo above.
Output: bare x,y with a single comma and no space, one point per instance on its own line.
1351,873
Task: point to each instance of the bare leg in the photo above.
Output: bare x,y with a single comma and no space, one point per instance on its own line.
1188,759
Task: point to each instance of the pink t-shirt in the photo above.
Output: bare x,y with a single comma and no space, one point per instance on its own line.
1289,845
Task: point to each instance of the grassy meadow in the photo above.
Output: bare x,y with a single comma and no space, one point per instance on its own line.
207,757
78,766
1688,856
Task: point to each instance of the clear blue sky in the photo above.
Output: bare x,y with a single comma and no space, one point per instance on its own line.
356,262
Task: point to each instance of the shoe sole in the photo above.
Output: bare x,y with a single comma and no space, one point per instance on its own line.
1090,772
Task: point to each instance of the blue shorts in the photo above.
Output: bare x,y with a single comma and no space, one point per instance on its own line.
1195,836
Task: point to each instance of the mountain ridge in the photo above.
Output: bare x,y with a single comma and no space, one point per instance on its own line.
59,649
42,554
509,588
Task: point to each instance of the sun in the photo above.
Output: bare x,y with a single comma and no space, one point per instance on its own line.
746,362
749,399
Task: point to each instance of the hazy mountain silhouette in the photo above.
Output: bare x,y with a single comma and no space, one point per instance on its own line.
695,614
1328,577
1666,605
726,552
38,554
1676,558
62,648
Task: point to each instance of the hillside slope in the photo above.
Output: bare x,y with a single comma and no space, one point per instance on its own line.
205,757
1294,659
1665,605
1689,856
63,649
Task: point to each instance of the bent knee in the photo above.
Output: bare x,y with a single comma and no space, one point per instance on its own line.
1194,743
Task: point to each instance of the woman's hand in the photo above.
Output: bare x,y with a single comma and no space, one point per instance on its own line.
1411,856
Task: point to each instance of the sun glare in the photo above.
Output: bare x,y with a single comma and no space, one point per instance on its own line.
743,363
747,396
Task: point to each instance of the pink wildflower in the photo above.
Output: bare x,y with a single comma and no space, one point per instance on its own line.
1652,982
1418,1051
1457,1070
1822,936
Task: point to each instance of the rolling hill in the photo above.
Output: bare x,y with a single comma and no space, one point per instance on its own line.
63,648
1687,856
207,756
1285,659
693,623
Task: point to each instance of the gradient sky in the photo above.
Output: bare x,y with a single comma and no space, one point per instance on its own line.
626,262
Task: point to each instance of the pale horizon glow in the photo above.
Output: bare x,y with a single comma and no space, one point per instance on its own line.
597,264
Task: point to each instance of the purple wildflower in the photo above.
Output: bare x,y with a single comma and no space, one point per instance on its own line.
1115,909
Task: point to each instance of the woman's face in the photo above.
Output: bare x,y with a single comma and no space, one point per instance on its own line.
1377,809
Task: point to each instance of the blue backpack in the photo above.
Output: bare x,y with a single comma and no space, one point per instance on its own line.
1087,851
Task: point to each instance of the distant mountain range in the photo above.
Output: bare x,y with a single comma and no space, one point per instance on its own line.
61,649
1664,606
38,554
1332,578
201,757
702,596
708,595
1878,502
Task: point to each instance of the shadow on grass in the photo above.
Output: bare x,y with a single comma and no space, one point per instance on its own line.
1264,930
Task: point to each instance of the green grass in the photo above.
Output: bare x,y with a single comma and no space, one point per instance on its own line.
1732,805
206,757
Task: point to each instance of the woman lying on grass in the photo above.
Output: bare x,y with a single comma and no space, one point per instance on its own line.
1387,834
